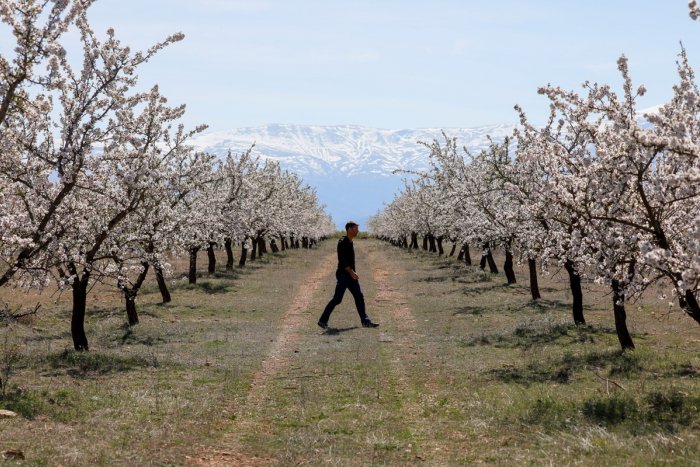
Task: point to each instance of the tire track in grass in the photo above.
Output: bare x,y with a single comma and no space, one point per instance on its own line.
407,353
295,317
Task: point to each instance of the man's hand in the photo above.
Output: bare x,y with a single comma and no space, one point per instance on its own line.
354,275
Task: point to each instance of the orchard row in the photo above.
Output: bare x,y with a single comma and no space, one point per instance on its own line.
600,190
97,181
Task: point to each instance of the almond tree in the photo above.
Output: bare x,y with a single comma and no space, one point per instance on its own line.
38,168
71,138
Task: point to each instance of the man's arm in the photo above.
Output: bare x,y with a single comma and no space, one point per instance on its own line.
352,273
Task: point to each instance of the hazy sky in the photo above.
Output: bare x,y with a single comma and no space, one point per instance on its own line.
391,63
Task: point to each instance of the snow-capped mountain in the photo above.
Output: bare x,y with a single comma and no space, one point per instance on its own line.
342,150
350,166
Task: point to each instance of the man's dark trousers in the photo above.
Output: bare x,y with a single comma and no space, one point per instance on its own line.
345,282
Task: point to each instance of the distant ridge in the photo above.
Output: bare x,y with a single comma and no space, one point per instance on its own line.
343,149
350,166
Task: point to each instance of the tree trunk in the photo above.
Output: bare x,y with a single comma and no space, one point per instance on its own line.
534,287
431,242
489,259
162,285
576,293
454,247
691,306
130,294
193,265
244,255
291,241
296,243
254,251
283,243
441,251
623,335
273,246
425,242
262,247
229,254
467,256
414,241
304,242
77,323
211,256
508,267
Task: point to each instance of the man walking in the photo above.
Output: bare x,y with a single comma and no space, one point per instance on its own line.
347,279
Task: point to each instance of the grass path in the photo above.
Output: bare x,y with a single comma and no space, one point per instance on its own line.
345,359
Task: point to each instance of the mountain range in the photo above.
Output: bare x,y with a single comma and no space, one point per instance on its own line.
352,167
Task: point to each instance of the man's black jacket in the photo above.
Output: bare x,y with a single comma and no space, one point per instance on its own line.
346,256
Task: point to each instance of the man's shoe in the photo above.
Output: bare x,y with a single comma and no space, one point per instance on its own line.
369,324
322,325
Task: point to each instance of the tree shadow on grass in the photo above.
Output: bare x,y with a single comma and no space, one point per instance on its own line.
433,279
130,338
562,370
205,286
479,290
90,364
471,310
525,337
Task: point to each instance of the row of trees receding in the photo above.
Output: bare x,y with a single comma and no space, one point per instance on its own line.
599,190
97,181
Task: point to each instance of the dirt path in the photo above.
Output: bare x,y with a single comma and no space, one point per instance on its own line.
399,336
295,317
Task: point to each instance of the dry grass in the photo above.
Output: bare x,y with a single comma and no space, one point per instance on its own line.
463,369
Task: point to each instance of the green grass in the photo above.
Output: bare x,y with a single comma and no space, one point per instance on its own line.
480,375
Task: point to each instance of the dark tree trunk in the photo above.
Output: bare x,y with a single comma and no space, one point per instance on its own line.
534,287
482,262
460,256
508,267
130,301
162,285
254,250
229,254
262,247
304,242
467,256
441,251
211,256
130,294
454,247
431,242
77,323
283,243
296,243
576,293
273,246
244,255
691,306
489,259
292,242
623,335
425,242
414,241
192,276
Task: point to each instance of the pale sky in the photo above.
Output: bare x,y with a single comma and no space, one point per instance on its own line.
395,64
